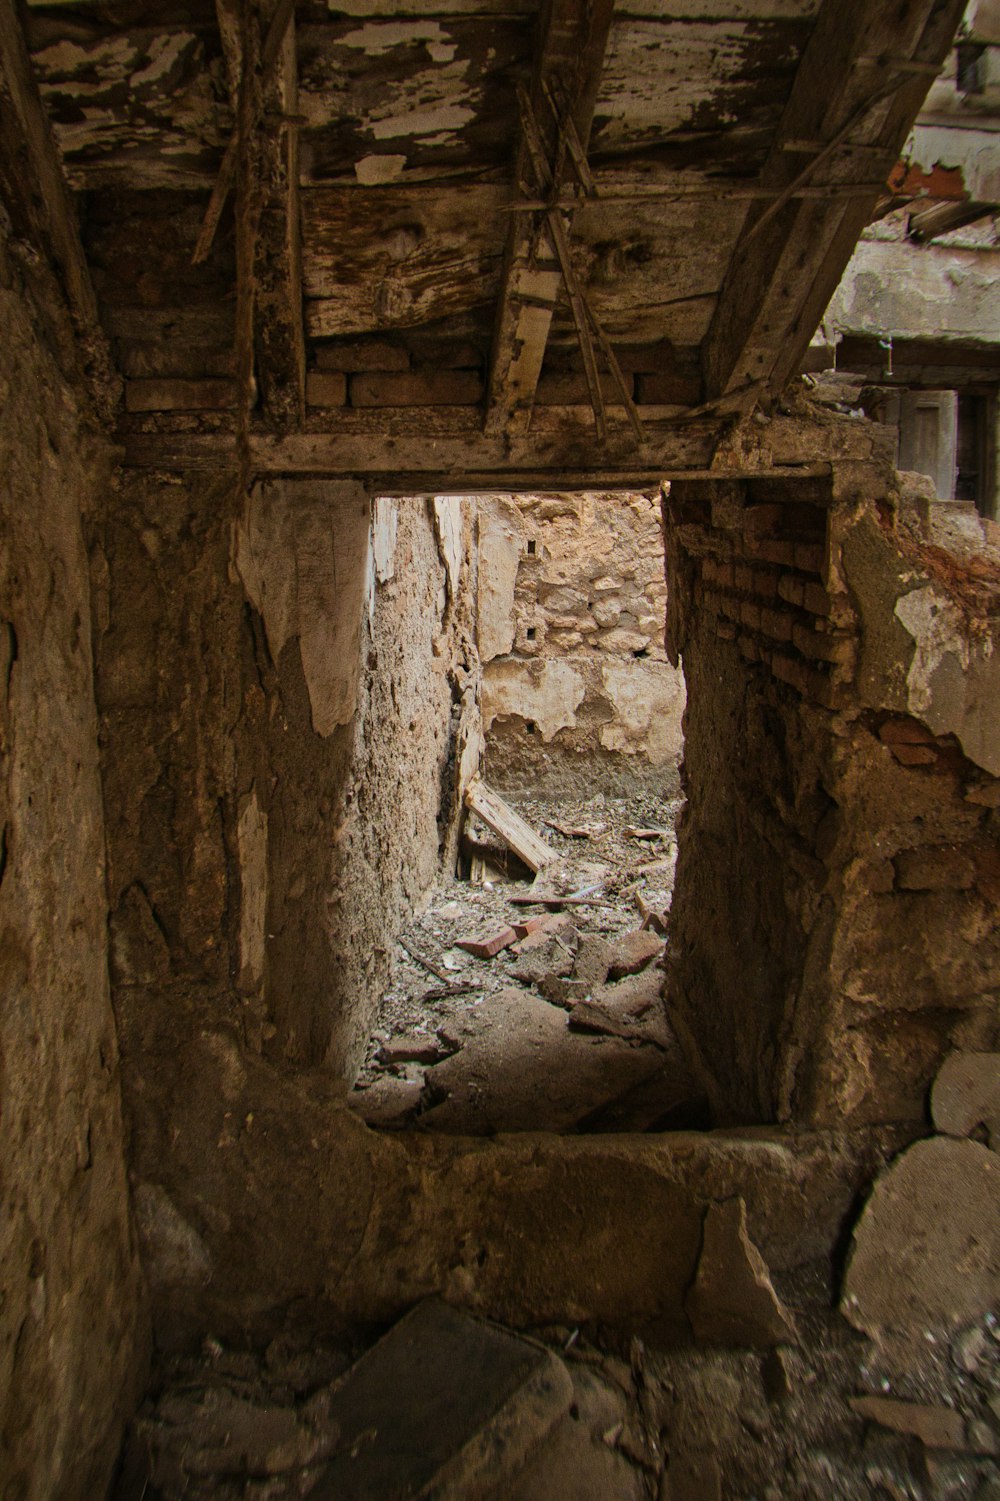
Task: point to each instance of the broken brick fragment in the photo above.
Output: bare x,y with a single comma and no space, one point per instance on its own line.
487,948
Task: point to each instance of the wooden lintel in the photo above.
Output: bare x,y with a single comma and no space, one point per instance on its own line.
439,452
41,210
570,59
861,80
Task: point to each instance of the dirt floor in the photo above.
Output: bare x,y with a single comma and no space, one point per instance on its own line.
833,1417
563,1030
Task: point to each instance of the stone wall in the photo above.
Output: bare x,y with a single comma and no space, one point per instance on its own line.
277,707
285,687
571,604
72,1317
834,927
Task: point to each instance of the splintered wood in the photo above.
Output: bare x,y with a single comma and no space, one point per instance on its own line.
508,825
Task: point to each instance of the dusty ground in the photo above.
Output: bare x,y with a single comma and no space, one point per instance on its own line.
564,1030
646,1424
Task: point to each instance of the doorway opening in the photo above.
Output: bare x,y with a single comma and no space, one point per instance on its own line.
528,995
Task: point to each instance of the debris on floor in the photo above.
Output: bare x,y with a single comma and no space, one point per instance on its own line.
551,1013
451,1406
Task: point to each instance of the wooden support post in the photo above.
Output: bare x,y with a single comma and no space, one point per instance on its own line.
270,339
574,39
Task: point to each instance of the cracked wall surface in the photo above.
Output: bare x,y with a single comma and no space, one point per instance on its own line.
576,682
73,1325
280,717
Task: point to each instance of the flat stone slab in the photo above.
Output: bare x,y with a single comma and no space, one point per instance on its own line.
732,1300
926,1252
520,1068
444,1406
966,1095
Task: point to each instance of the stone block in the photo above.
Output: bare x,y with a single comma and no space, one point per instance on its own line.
926,1250
939,867
732,1300
443,1405
966,1095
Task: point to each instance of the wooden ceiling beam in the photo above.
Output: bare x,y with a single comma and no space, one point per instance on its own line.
862,78
568,69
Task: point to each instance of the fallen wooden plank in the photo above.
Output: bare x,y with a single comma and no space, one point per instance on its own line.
511,828
442,992
423,961
560,901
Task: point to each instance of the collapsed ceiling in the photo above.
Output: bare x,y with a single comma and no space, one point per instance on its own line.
461,236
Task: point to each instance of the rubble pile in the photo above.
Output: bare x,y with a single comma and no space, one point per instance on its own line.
521,1004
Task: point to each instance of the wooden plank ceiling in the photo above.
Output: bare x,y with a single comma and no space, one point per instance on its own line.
577,236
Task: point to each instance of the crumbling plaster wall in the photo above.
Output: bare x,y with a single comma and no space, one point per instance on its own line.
277,704
73,1322
571,604
834,929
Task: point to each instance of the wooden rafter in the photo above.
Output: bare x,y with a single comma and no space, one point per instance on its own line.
270,340
41,210
568,69
859,85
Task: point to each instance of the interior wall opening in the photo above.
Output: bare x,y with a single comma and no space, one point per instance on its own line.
526,991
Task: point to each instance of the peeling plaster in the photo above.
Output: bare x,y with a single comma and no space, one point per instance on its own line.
371,170
547,693
376,37
446,117
953,682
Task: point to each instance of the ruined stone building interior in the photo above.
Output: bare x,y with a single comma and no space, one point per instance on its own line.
500,729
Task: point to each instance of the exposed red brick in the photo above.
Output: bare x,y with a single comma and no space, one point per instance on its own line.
417,389
361,354
942,867
791,588
809,557
572,390
914,755
773,551
765,582
176,395
790,670
485,948
839,649
761,519
326,389
815,599
904,731
668,390
777,624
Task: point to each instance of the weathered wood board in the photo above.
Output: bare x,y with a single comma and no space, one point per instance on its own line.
510,826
